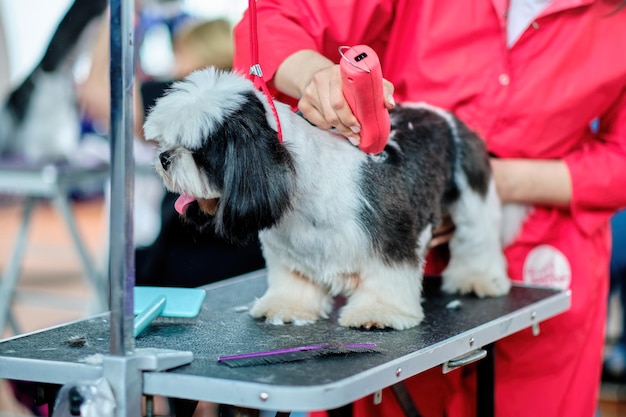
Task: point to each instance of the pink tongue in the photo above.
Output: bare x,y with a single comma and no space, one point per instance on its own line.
183,202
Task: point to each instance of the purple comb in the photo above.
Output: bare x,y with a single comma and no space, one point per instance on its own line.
295,354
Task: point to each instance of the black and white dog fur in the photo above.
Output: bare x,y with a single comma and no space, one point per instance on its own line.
39,120
332,220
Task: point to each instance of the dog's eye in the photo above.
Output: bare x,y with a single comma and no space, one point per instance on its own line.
165,158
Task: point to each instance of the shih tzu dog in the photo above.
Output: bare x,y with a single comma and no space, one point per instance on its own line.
332,220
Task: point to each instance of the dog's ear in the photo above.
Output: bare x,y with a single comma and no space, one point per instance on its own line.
258,175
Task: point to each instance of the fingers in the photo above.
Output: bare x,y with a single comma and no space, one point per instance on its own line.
388,90
443,233
323,104
440,240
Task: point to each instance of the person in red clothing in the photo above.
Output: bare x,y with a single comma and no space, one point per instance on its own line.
530,77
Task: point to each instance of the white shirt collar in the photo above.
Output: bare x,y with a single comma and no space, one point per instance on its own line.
521,14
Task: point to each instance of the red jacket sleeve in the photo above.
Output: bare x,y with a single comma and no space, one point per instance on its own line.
287,26
598,170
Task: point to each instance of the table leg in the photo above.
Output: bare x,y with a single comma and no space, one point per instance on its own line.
234,411
485,383
404,400
91,272
182,407
12,271
345,411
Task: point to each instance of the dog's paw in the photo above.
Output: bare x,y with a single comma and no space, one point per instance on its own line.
278,310
380,316
483,284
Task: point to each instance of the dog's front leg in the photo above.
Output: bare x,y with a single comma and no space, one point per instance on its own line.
291,298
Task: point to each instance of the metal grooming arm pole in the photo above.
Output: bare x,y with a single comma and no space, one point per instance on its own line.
124,368
121,267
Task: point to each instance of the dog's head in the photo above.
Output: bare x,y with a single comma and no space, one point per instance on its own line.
218,149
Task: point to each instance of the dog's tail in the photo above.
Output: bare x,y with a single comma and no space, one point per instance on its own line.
472,157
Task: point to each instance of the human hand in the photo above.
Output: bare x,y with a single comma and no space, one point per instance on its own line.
443,233
93,96
322,103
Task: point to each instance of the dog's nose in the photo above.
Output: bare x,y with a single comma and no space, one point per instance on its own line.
164,157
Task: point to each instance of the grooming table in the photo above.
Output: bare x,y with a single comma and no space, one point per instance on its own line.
53,182
225,327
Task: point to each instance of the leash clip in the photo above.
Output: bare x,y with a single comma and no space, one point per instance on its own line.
256,70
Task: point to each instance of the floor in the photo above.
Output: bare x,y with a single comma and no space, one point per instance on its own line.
52,289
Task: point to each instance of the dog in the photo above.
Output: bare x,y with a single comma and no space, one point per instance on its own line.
332,220
40,118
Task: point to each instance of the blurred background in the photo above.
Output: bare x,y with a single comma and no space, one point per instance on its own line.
173,38
24,34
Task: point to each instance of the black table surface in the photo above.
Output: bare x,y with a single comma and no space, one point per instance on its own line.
224,327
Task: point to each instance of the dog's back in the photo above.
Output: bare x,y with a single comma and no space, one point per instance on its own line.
430,156
368,237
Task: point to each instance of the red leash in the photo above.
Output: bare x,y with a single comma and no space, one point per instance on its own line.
256,74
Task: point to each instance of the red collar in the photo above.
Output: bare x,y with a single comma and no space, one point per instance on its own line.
256,74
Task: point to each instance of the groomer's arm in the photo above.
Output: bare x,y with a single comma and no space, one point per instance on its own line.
524,181
296,72
531,181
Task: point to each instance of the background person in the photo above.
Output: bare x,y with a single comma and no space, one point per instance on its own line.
200,44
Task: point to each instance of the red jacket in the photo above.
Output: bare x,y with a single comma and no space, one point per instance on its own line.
534,100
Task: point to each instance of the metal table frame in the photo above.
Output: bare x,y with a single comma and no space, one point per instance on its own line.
40,183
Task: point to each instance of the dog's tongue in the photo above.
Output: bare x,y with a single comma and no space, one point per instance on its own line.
183,202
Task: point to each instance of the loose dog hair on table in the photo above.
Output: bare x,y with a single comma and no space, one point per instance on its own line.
332,219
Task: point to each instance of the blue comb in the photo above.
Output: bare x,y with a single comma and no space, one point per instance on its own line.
152,302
